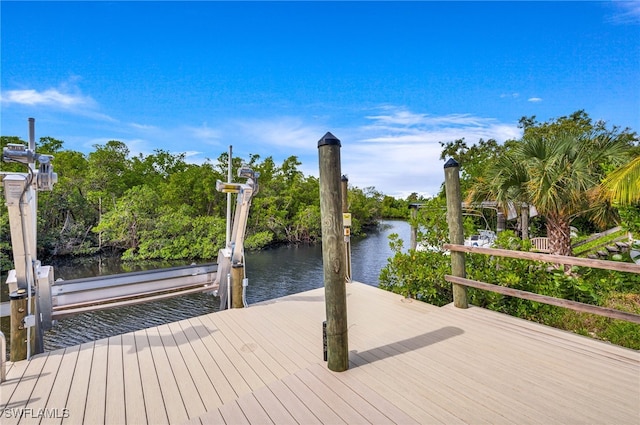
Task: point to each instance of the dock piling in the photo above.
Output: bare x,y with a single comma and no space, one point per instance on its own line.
333,257
456,231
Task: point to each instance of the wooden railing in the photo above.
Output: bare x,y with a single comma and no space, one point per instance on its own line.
548,258
460,283
540,244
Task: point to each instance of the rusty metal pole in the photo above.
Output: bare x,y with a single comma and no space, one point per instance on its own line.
333,258
456,231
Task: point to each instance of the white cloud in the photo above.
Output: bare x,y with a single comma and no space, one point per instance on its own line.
284,133
535,99
510,95
202,134
625,12
399,151
66,98
50,97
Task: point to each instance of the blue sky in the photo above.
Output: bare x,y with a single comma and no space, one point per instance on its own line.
389,79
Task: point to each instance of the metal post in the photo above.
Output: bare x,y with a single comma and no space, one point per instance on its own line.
524,222
456,232
501,222
229,180
3,359
344,180
333,254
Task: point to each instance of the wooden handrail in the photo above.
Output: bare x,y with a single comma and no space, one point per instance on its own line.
571,305
548,258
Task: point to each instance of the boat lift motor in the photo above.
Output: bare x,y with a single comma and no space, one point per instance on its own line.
233,252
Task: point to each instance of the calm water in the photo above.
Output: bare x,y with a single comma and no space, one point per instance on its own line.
272,273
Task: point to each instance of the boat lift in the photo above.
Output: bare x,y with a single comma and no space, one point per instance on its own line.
55,299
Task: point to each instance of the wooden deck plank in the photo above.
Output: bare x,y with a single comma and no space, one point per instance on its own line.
239,361
338,404
391,412
233,414
311,400
277,361
522,367
191,397
77,399
274,408
60,389
94,409
134,404
253,411
246,348
296,408
409,363
19,378
30,397
224,391
264,325
171,395
202,384
364,402
42,390
209,334
154,403
115,383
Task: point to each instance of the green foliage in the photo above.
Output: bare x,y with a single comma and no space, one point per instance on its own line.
630,219
258,240
158,206
420,275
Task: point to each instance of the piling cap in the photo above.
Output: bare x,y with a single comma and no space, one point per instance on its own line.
451,163
329,139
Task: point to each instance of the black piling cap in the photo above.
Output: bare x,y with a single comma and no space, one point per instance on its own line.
329,139
451,163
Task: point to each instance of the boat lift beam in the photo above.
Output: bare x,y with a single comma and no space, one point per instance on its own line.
65,298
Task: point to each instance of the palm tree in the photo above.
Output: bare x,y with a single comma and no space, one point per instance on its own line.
556,172
622,186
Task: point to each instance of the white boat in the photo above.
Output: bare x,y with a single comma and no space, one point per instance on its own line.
484,239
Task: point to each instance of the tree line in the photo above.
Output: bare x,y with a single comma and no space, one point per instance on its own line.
160,206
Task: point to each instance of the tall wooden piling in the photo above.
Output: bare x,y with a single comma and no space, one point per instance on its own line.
456,231
18,301
333,257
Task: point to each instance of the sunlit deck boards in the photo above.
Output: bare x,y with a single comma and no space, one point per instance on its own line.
410,363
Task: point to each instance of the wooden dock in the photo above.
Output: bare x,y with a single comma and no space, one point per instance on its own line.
410,363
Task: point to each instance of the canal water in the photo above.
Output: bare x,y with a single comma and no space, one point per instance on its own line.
272,273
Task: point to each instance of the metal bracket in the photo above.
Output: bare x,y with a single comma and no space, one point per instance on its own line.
29,321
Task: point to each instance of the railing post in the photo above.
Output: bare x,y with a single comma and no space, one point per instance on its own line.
456,232
333,258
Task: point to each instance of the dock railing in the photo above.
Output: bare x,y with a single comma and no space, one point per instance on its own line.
547,258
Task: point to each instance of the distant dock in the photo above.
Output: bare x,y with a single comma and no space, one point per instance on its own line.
410,362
